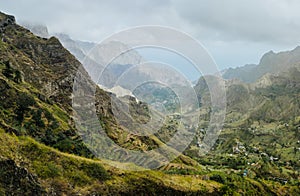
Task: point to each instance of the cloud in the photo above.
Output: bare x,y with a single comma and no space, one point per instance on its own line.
222,26
92,19
255,20
259,21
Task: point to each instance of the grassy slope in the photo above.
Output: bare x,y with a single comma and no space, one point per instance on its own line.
62,173
69,174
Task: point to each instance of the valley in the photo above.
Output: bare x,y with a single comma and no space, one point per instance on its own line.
42,152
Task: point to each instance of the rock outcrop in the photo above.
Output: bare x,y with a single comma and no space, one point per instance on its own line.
18,180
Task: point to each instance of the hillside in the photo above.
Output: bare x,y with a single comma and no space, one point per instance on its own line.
36,85
39,101
261,130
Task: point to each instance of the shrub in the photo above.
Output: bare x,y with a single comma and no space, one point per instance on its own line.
8,71
49,170
37,117
95,170
24,101
226,190
18,76
78,178
218,178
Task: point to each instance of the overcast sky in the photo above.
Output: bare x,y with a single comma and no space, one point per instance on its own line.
235,32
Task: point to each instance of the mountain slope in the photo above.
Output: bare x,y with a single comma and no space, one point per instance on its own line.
36,77
46,72
261,130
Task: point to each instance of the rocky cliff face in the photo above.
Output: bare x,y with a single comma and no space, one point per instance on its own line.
44,63
6,20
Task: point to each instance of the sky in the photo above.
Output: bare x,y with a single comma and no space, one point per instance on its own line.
234,32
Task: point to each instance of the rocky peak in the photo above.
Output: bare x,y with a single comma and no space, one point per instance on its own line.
37,29
297,49
267,57
106,53
6,20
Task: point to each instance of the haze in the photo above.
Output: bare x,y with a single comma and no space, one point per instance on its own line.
234,32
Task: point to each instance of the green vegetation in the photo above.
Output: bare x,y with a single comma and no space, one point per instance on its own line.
63,171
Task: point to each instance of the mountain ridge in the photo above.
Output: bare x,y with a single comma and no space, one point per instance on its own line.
270,62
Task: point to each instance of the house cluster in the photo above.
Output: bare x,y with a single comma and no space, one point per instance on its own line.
271,158
281,180
274,158
238,148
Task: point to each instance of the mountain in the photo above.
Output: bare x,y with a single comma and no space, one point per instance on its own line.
36,123
124,74
37,29
72,46
243,73
261,130
270,62
42,152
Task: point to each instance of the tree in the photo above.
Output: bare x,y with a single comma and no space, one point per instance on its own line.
37,117
24,101
18,76
8,71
